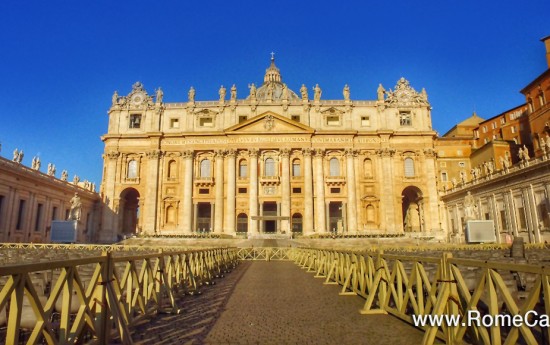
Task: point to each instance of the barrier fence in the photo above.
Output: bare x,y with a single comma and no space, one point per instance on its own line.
407,286
95,298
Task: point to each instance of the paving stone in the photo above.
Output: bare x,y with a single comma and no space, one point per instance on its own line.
274,303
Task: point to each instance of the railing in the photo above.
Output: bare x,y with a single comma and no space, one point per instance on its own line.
266,253
407,285
96,298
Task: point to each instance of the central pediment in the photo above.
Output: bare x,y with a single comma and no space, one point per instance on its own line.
269,123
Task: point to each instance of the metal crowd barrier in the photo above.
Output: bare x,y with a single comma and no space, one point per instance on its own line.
97,298
407,285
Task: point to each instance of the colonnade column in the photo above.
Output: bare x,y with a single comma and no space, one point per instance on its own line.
308,192
388,196
253,201
285,189
231,189
151,192
218,210
320,212
186,212
352,198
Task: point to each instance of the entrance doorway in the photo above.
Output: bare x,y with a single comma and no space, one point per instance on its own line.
336,222
270,210
204,217
130,211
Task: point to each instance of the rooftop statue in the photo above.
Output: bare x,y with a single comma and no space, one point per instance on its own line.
303,91
252,88
317,93
64,175
222,94
346,92
191,94
115,98
233,92
35,163
15,155
160,95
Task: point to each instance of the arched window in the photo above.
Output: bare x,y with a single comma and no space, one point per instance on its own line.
242,222
172,169
409,167
296,171
370,214
132,169
296,222
334,165
205,168
367,167
269,167
243,168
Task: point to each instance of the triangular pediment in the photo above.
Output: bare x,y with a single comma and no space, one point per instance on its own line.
332,111
269,123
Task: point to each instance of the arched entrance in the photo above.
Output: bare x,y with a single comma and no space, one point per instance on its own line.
412,209
129,207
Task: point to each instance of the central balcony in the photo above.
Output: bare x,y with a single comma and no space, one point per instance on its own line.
269,180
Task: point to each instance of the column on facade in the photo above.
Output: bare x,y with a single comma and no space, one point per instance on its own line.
151,192
533,214
308,192
186,212
231,192
320,211
351,225
253,197
496,217
285,190
109,214
431,216
30,216
388,195
218,210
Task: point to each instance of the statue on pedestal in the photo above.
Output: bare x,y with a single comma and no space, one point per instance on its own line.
35,163
470,208
252,88
15,155
64,175
115,98
284,94
76,179
412,218
160,95
51,169
76,208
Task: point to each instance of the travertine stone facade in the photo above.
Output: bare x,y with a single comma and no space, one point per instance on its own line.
30,200
274,161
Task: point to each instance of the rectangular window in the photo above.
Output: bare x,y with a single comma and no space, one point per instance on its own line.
513,129
54,213
174,123
485,141
476,134
38,217
297,190
335,190
20,215
206,122
503,220
365,121
462,164
405,118
484,129
494,125
487,216
502,120
295,118
444,177
521,216
204,191
333,120
135,121
242,118
242,190
67,213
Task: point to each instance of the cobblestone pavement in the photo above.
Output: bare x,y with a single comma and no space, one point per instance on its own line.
274,303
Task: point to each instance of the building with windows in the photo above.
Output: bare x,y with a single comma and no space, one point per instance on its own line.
270,162
504,162
30,200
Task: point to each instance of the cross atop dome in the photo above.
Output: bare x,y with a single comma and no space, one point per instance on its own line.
272,73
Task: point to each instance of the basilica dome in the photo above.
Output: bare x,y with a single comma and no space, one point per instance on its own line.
273,87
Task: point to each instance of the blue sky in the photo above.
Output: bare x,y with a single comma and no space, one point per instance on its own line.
60,61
